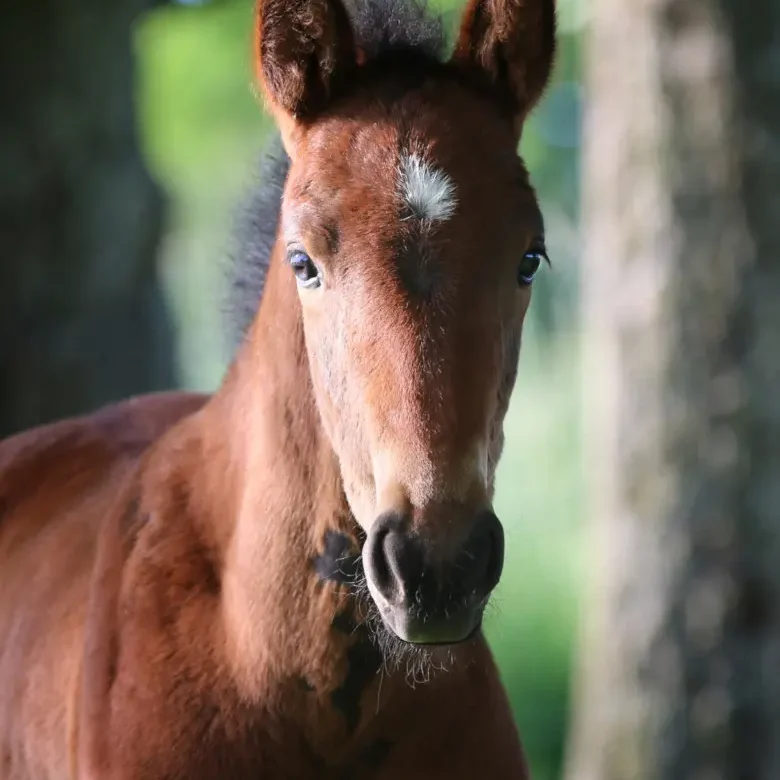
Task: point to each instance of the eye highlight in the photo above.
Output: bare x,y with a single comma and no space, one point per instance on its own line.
305,271
530,264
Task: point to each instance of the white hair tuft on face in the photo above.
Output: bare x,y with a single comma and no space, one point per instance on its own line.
428,192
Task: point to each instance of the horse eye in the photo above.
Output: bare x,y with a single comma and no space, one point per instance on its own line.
304,269
529,265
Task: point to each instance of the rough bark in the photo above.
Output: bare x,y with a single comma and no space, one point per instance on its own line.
82,318
679,673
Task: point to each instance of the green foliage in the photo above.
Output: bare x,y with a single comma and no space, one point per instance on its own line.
201,118
538,498
203,128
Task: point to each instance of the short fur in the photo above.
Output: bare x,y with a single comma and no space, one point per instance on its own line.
189,584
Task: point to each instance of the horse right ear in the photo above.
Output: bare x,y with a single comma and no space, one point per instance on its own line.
303,48
512,44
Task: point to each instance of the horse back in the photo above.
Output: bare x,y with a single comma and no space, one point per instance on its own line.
58,485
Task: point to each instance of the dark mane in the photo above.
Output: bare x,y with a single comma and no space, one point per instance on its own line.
384,29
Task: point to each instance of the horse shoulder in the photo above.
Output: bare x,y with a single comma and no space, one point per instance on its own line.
59,486
52,464
152,677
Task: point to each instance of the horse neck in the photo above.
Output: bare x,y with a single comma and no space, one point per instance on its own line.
286,495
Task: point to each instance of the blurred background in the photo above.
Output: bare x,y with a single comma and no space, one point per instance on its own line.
124,154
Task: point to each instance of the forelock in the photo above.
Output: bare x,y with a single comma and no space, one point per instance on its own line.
427,192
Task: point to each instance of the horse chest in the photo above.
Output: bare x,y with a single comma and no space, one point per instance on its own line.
204,739
171,715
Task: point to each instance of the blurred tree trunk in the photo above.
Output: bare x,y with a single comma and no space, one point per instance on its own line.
679,673
82,318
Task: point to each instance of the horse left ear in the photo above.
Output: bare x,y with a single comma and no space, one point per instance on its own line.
512,43
302,50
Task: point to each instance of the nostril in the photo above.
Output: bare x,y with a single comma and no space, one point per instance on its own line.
404,560
375,562
397,573
495,531
481,560
394,562
473,561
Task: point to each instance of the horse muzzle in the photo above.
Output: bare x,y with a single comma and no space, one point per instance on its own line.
422,599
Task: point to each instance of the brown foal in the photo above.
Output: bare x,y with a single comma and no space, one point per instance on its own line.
249,585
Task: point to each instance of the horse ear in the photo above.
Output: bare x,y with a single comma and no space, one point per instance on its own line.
512,43
302,50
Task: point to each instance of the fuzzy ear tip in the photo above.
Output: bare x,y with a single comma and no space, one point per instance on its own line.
512,42
301,48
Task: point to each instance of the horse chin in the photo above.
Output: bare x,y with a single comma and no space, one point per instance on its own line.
421,661
442,627
445,632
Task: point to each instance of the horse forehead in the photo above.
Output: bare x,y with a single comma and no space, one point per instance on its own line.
381,165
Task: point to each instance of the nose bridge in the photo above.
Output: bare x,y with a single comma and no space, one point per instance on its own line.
439,508
430,421
428,479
